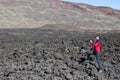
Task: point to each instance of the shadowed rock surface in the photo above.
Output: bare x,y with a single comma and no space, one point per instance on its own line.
34,54
37,13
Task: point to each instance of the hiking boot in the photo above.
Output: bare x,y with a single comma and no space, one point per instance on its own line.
100,71
87,61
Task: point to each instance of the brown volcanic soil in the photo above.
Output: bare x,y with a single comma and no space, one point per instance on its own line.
34,54
37,13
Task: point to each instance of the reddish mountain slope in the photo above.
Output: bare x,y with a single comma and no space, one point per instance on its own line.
37,13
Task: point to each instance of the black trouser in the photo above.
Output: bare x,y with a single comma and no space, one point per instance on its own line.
97,54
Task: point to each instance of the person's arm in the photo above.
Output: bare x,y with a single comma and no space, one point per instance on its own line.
95,44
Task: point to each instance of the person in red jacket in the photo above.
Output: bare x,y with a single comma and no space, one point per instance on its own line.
96,51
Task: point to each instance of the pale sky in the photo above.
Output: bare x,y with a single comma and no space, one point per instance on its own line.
110,3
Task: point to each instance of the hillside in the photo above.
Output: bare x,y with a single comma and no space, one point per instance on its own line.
39,13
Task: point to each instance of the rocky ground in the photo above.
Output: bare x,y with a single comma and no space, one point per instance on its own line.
56,55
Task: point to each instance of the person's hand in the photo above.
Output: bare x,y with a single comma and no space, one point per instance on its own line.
91,41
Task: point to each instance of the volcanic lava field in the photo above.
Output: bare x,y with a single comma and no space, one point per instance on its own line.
35,54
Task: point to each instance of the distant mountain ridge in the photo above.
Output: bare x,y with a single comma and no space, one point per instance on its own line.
38,13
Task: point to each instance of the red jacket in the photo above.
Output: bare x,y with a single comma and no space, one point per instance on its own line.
97,46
